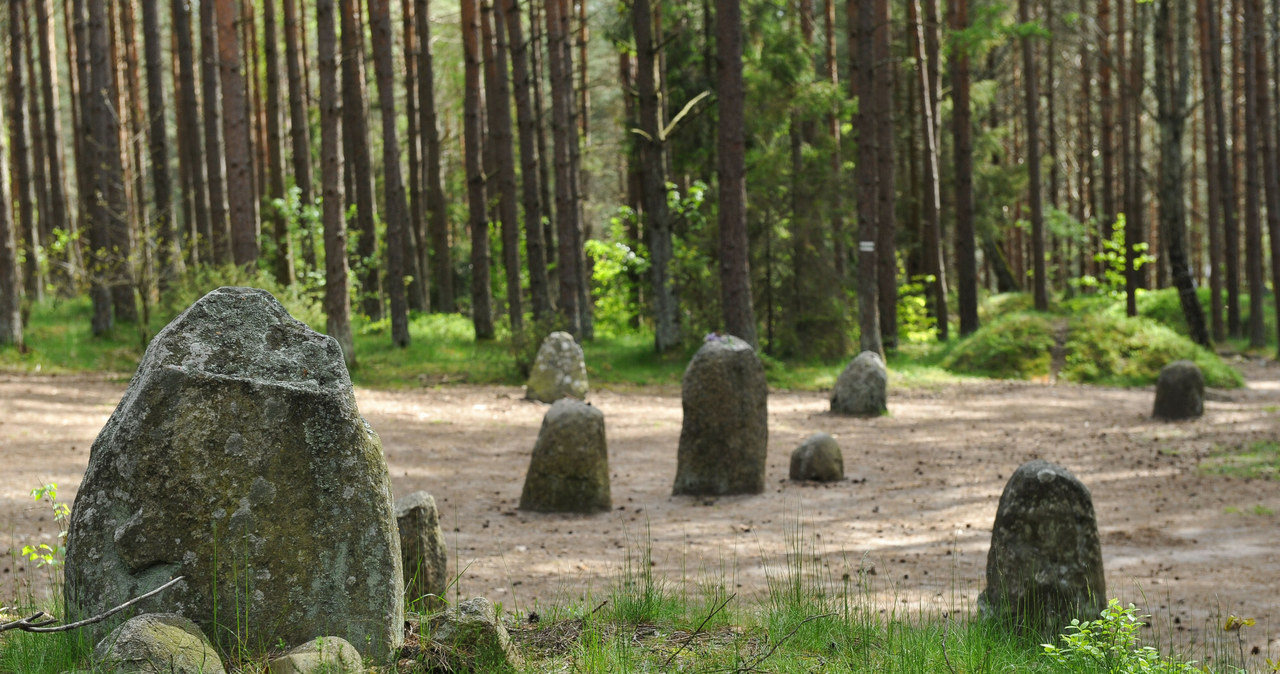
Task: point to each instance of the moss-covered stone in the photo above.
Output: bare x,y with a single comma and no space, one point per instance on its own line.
559,370
472,638
157,643
238,459
861,389
1179,392
423,554
725,434
569,469
818,458
322,655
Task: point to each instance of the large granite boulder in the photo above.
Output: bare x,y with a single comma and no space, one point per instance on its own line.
1044,567
238,459
322,655
723,442
819,459
469,637
1179,391
157,643
569,469
422,549
559,370
860,388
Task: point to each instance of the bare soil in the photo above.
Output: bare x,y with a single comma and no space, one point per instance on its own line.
913,514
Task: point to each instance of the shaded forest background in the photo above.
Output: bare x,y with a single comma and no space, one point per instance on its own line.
815,177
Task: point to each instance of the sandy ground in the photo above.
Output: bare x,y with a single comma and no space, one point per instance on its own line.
917,504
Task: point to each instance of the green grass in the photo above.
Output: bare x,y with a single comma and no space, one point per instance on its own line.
1258,460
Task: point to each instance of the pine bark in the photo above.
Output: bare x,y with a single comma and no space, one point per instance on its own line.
1210,78
417,264
110,232
437,207
10,279
926,53
539,289
1107,126
397,212
168,256
19,134
58,215
564,136
481,294
195,189
499,100
1270,163
886,221
359,163
1253,188
282,264
962,144
337,303
241,188
213,145
299,123
1031,104
536,60
862,21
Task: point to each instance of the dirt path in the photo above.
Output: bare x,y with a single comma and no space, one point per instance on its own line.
917,505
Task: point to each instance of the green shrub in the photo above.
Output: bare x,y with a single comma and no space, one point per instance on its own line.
193,285
1110,644
1014,346
1119,351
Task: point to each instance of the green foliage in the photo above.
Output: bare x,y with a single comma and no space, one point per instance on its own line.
618,275
915,324
1110,645
1106,349
196,283
1014,346
1113,262
42,553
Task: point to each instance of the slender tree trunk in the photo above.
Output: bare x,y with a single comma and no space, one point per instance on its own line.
534,250
73,28
10,279
59,215
536,59
241,188
437,207
195,194
653,181
359,164
417,264
168,256
926,60
481,295
1270,166
134,137
1108,132
1031,102
1253,83
337,302
1134,187
498,99
110,238
213,146
886,222
299,122
397,213
735,270
564,135
962,144
283,262
1235,324
839,253
864,83
1207,25
28,233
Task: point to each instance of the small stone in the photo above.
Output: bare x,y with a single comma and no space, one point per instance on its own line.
725,435
860,389
422,549
559,370
569,469
1044,567
322,655
818,458
1179,392
158,643
471,638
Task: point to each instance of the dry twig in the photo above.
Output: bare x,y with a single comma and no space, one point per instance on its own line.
693,634
41,621
754,664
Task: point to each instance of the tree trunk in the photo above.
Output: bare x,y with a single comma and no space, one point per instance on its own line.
337,302
1253,83
73,29
135,169
437,207
168,255
565,136
299,123
417,264
864,76
19,133
1207,32
359,164
10,279
962,144
1031,103
283,262
213,146
1105,105
110,238
536,59
499,100
1270,166
735,270
653,181
397,213
839,254
241,189
58,215
481,295
1235,325
926,55
189,155
534,250
1173,75
886,221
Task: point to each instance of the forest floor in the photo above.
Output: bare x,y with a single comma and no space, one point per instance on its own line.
1186,544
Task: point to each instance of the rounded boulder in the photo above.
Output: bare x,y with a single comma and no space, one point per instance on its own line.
860,389
1179,391
818,459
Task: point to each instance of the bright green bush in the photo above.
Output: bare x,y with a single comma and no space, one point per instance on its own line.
1110,644
1014,346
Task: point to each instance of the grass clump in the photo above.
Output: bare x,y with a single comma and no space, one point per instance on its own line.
1259,460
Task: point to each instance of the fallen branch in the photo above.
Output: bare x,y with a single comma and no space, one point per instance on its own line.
693,634
40,621
754,664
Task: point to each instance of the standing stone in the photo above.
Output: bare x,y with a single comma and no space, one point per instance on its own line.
569,470
1179,391
1045,563
559,370
472,638
860,389
157,643
422,549
819,459
723,442
238,459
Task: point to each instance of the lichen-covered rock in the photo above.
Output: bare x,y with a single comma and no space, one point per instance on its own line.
472,638
1044,567
818,458
725,433
559,370
238,459
422,548
569,469
157,643
860,389
322,655
1179,391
